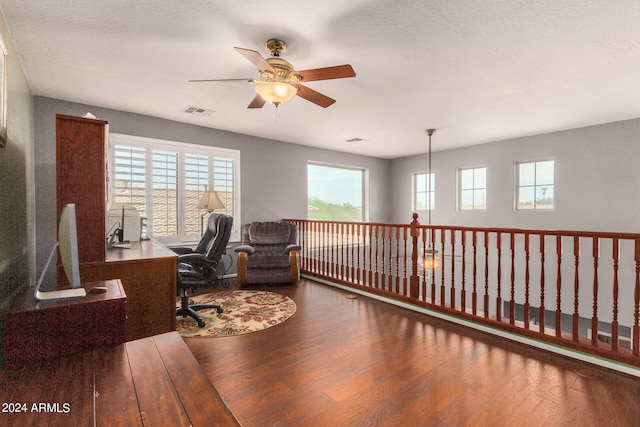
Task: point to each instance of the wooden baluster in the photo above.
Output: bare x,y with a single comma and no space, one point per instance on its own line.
559,286
414,281
636,302
397,275
343,252
404,264
359,240
463,291
350,248
370,255
331,251
314,247
527,307
442,287
353,253
321,247
576,287
486,274
383,263
389,285
594,318
377,239
614,323
542,282
432,232
335,250
453,269
423,283
499,296
512,302
474,294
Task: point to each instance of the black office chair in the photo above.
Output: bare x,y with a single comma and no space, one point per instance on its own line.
198,267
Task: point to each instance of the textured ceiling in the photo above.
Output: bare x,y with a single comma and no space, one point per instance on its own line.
477,71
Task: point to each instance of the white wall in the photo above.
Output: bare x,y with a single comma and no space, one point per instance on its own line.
597,180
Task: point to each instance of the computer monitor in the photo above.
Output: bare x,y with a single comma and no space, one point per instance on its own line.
68,246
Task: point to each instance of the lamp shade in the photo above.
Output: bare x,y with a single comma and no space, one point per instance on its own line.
276,92
210,201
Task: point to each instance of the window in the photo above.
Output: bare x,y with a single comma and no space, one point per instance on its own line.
165,180
424,194
535,182
472,193
335,193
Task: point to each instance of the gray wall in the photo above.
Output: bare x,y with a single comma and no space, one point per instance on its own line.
597,180
273,173
17,204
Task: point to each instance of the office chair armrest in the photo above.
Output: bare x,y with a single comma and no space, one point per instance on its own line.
290,248
181,250
245,248
191,258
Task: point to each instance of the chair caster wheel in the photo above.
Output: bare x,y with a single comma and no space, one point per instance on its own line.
201,323
219,310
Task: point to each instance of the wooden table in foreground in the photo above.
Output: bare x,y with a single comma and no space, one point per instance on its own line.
153,381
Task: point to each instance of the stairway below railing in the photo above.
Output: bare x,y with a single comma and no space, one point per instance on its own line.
575,289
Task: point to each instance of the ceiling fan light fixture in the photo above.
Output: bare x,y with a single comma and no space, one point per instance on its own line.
276,92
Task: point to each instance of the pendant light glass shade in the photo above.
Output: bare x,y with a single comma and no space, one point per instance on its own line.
276,92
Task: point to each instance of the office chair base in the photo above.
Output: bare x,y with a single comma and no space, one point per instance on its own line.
187,309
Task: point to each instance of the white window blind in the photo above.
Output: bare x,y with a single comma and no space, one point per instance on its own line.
165,180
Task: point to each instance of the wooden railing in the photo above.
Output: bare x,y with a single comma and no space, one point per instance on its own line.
575,289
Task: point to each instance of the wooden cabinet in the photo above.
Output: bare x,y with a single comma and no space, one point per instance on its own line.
148,269
81,178
49,329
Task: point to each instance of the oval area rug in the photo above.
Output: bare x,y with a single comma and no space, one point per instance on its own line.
245,311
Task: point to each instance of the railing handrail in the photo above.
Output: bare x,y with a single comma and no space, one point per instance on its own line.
530,231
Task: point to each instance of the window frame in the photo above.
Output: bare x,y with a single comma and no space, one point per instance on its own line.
365,185
473,188
535,185
183,149
431,184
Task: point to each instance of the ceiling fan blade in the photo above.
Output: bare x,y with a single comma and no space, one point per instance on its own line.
257,102
327,73
222,80
316,97
255,57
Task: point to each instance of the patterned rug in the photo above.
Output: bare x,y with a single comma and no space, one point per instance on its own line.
244,312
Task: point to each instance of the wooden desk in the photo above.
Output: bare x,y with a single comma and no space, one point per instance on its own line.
49,329
154,381
148,274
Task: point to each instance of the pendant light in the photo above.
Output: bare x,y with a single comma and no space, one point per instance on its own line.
429,260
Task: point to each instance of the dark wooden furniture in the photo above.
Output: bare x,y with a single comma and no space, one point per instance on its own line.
153,381
81,178
148,274
148,269
48,329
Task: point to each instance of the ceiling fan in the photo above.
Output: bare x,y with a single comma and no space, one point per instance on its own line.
278,81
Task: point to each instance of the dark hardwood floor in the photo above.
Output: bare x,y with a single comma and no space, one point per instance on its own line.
361,362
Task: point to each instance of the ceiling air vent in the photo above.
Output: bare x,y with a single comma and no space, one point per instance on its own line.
197,111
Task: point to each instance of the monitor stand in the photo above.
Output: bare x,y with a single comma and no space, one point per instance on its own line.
60,294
